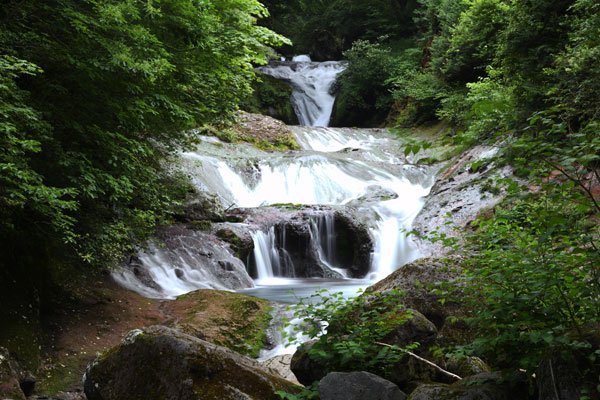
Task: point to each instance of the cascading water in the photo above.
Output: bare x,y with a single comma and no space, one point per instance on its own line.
351,169
312,81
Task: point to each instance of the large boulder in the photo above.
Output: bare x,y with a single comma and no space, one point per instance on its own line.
358,386
405,328
280,365
434,287
233,320
265,132
202,206
163,363
422,283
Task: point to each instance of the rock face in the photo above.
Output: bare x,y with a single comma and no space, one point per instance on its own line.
460,193
311,237
162,363
280,365
185,260
358,386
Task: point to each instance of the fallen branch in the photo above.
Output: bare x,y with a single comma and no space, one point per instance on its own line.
437,367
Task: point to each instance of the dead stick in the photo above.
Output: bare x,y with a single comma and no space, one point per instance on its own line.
424,360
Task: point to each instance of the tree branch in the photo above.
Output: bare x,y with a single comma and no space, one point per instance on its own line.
423,360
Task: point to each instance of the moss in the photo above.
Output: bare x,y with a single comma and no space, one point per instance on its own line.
62,375
201,225
289,206
22,338
232,320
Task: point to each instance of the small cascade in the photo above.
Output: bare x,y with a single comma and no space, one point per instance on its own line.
271,257
312,81
324,233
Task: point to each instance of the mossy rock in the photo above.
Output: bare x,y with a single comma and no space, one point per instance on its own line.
229,319
159,363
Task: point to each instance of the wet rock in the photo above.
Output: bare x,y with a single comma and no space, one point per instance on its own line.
354,244
162,363
459,196
375,194
358,386
239,238
299,239
9,377
185,258
280,365
202,206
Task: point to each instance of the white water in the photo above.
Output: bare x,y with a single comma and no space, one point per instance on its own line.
338,167
312,81
325,177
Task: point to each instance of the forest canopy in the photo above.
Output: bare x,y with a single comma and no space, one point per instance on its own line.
95,96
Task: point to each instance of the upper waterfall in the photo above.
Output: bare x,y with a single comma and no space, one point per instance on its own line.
312,82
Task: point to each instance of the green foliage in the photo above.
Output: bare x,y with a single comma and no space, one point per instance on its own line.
107,93
325,29
364,94
22,189
348,330
308,393
534,269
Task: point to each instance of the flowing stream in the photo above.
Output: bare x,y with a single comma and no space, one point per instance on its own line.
361,170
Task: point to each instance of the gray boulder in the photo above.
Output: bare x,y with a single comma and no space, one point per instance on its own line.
163,363
280,365
203,206
358,386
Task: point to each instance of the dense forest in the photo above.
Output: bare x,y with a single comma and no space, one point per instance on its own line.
96,97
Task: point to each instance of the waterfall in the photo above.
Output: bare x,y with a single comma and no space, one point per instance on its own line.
312,83
271,257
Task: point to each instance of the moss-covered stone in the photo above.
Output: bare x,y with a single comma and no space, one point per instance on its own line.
264,132
163,363
229,319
